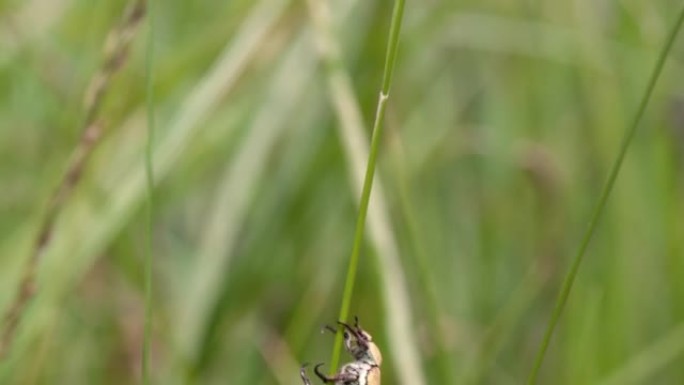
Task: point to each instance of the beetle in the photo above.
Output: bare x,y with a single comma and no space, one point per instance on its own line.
364,370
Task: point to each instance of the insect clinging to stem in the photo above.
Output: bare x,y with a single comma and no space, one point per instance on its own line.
364,370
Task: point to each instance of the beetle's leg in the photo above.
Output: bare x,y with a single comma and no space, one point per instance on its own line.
302,373
339,377
322,376
328,328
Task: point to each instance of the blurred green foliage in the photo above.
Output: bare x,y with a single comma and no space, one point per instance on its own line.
503,121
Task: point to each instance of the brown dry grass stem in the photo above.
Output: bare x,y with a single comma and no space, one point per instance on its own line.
116,50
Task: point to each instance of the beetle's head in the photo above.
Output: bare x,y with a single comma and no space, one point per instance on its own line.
359,343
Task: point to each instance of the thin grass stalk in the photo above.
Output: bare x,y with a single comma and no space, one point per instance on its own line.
598,211
149,178
390,59
402,341
116,50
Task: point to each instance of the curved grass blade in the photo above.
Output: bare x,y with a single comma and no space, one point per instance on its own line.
608,187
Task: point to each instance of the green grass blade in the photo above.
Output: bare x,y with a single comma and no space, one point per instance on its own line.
390,59
149,178
608,187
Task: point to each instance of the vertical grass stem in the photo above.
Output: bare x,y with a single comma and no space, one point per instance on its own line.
149,177
390,59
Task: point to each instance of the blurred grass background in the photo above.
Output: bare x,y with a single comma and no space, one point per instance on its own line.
503,121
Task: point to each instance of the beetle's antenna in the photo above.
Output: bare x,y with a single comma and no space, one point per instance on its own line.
349,328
